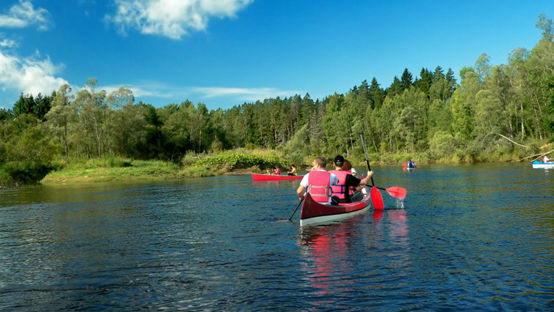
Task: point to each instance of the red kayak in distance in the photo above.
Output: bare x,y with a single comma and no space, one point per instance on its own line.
269,177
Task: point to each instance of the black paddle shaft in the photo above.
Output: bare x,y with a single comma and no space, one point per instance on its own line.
366,158
290,218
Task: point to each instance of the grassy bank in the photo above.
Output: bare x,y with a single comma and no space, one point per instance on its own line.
115,169
240,161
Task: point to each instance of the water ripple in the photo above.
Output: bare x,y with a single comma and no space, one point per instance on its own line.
462,242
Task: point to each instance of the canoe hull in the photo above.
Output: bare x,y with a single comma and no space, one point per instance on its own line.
267,177
541,165
313,212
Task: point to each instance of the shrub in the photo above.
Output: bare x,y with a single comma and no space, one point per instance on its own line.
241,161
27,172
441,145
5,179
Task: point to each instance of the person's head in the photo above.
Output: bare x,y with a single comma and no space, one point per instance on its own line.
293,166
346,165
339,161
319,163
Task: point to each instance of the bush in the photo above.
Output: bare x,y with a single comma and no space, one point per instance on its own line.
442,145
5,179
242,161
27,172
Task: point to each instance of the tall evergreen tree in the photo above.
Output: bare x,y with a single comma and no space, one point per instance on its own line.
425,81
376,94
406,81
395,87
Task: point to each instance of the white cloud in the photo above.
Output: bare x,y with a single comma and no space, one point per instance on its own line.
23,15
7,43
248,94
30,76
202,94
172,18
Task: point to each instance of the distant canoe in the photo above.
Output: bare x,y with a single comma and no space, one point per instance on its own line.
268,177
540,164
406,168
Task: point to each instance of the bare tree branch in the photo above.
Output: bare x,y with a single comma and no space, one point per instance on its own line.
537,155
513,142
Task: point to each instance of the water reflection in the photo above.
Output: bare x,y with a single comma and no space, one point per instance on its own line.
328,249
336,264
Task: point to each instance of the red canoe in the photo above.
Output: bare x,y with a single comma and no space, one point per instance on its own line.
268,177
314,212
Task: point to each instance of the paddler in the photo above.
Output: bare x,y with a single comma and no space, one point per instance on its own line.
292,171
318,182
343,191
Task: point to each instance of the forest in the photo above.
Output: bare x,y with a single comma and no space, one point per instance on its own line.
493,113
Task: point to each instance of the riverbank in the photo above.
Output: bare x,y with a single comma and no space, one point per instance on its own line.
240,161
115,169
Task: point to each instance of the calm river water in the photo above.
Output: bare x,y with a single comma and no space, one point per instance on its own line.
475,237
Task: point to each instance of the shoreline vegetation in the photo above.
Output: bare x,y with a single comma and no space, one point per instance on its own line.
236,162
494,113
116,169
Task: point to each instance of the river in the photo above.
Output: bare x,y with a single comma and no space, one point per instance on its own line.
469,237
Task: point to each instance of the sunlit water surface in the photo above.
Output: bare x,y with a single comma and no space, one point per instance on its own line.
468,238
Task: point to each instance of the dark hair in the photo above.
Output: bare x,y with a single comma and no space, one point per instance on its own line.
339,160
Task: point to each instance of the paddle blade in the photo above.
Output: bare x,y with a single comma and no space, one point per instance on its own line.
397,192
376,199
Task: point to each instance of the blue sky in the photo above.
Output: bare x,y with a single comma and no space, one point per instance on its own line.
224,53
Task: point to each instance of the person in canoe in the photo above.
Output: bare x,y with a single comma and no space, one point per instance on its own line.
277,171
354,183
292,171
545,159
343,192
411,164
318,182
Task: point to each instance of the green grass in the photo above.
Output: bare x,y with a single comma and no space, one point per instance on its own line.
239,161
116,169
113,170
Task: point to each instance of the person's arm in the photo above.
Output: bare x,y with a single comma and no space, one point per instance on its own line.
366,180
302,187
333,180
300,192
352,181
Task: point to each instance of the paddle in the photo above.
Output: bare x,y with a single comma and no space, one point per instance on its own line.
375,194
395,191
290,218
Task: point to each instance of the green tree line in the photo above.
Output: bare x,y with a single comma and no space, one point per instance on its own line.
492,111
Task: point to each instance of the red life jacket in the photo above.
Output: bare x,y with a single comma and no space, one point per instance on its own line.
338,190
319,185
